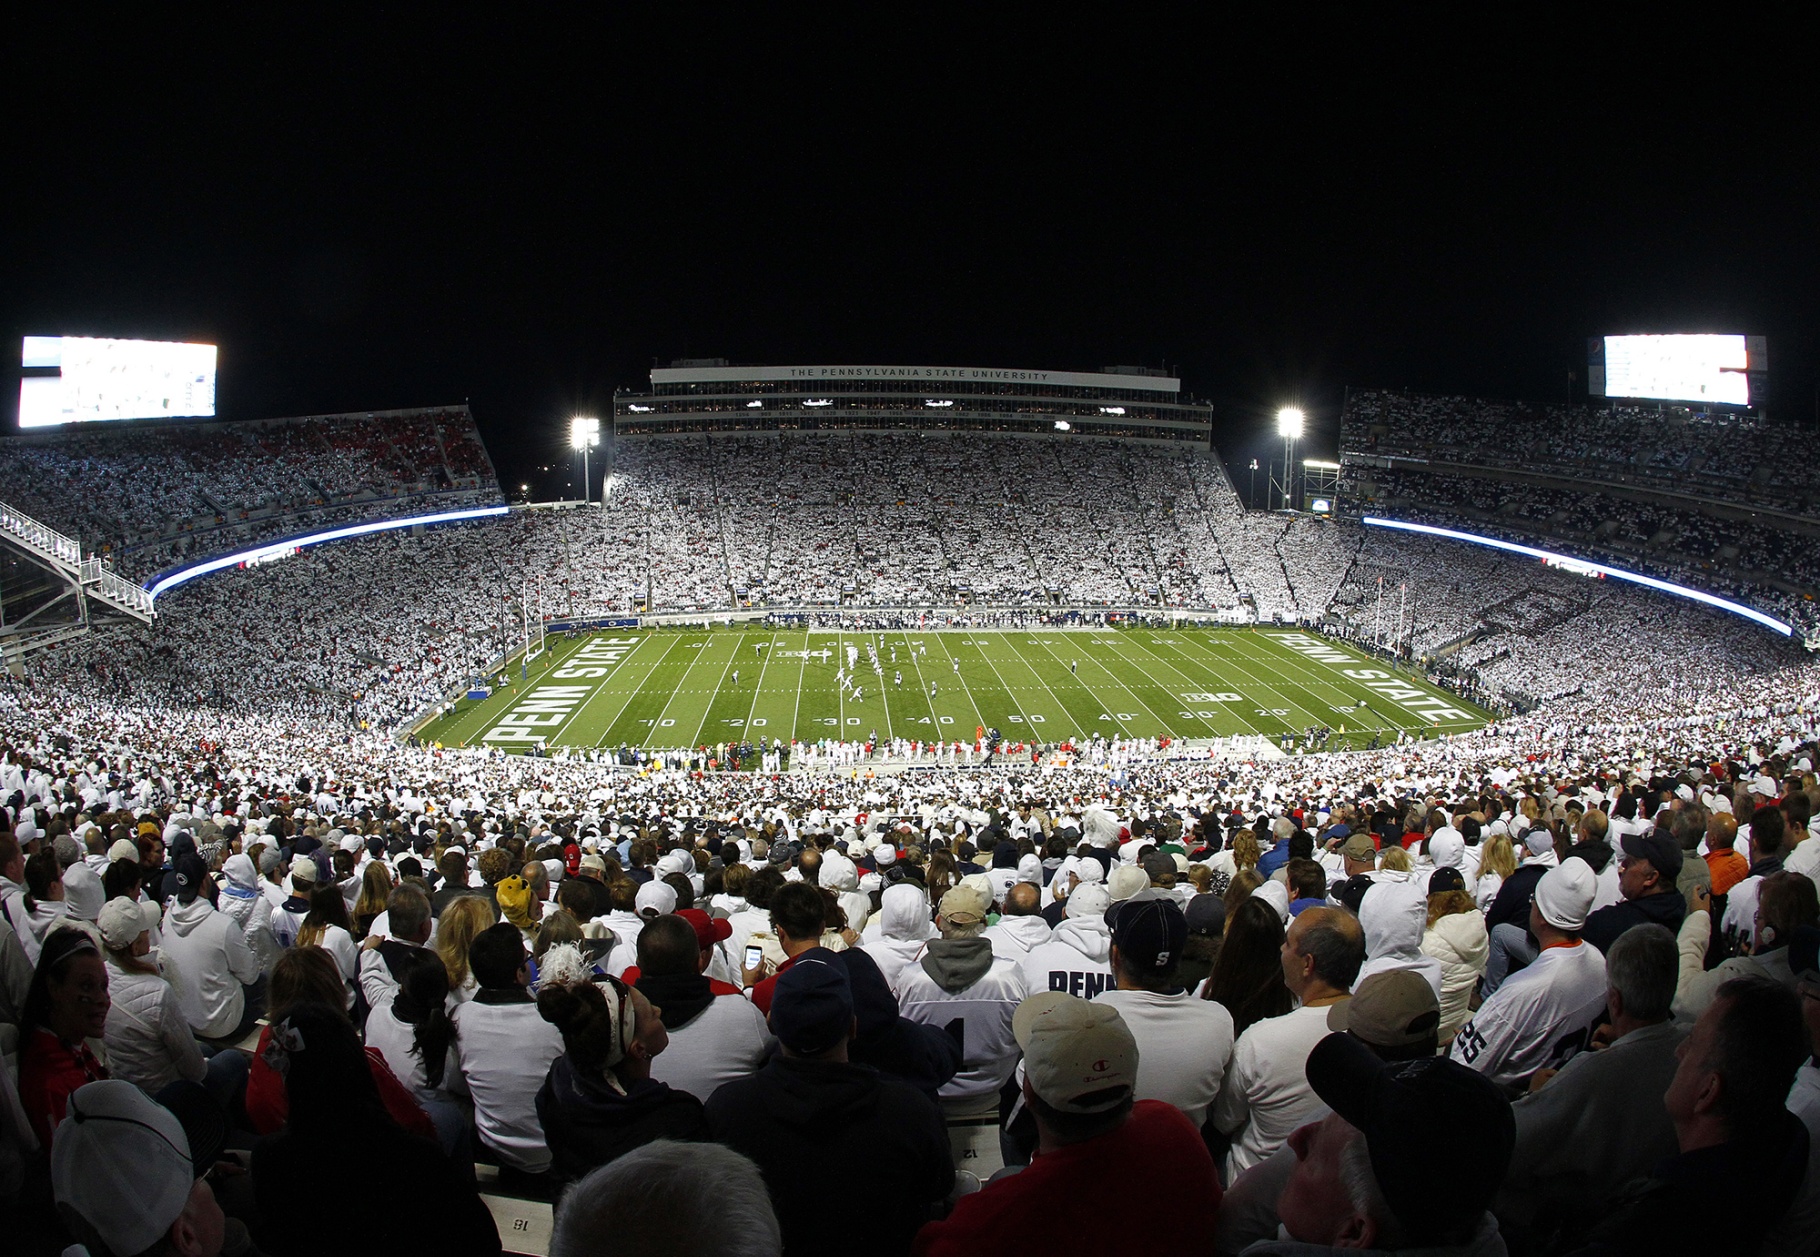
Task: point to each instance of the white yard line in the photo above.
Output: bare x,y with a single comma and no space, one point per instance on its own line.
636,690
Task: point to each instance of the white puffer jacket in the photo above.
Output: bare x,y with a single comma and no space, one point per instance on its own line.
149,1043
1460,943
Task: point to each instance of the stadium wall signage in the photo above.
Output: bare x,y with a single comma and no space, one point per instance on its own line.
1389,685
987,375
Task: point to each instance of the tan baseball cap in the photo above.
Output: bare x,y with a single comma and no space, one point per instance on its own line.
1078,1057
962,906
1392,1008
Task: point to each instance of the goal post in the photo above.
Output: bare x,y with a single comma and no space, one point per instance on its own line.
533,622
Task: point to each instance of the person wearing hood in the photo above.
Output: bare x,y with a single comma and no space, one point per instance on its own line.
1647,874
904,927
1456,938
219,982
242,901
82,893
1077,957
715,1033
841,875
599,1099
812,1107
959,979
1022,927
149,1041
1393,916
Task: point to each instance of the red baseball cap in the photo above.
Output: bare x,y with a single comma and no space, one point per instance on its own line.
708,930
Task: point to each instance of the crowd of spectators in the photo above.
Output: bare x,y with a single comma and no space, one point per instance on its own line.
1518,991
146,498
1732,456
1739,461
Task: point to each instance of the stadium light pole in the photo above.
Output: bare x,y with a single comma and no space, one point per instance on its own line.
1253,502
584,435
1290,424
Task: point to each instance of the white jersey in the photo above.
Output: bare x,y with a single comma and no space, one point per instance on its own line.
1538,1018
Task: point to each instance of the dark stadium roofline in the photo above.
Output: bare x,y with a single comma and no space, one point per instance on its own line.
1591,567
932,374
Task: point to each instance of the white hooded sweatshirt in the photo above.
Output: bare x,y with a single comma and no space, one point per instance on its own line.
904,926
211,954
1076,959
1394,916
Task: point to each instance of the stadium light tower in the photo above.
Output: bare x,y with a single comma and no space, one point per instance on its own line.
584,435
1290,423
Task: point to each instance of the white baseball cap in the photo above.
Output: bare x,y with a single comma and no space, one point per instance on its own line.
122,1163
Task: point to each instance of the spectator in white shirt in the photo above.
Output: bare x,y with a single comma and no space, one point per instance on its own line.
1265,1094
959,979
1183,1043
504,1049
412,1029
1542,1015
1393,916
1021,927
149,1042
219,981
716,1034
407,930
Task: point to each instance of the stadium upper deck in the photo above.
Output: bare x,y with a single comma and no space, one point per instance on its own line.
1134,403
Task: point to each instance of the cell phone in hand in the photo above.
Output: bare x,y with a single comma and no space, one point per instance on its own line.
754,955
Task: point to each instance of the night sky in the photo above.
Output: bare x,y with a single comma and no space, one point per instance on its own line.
525,210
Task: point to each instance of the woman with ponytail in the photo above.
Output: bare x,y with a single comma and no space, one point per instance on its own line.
415,1035
599,1099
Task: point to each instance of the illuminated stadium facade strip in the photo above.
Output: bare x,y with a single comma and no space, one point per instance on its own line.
1132,403
170,580
1589,568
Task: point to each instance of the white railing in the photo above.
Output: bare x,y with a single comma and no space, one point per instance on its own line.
121,592
67,551
40,537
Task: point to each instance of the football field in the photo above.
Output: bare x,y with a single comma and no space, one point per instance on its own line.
689,687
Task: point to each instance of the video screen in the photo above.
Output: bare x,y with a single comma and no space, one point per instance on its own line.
1678,368
88,379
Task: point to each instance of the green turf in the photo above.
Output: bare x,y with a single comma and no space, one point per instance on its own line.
673,688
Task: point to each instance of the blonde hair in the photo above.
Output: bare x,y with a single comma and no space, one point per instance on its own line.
375,885
1498,856
464,918
1245,849
1394,859
1447,903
